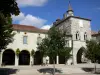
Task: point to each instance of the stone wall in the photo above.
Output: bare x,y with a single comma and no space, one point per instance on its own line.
75,26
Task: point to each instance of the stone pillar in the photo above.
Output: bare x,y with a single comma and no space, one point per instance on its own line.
47,60
57,60
1,55
31,60
75,59
16,60
44,60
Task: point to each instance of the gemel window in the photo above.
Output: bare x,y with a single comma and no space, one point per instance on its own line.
85,36
77,36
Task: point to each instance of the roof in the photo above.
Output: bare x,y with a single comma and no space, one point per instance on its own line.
69,7
28,28
95,33
68,18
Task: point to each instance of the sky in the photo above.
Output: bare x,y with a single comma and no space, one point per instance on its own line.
42,13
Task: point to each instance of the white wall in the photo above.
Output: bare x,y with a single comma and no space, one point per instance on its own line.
18,41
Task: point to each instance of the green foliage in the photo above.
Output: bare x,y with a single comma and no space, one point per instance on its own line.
17,51
93,50
9,7
54,44
66,52
32,52
5,31
42,47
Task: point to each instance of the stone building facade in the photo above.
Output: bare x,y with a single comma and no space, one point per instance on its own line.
78,30
25,39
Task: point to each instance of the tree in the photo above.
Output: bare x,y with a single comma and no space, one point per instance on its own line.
5,31
54,44
99,52
7,8
66,52
42,47
93,51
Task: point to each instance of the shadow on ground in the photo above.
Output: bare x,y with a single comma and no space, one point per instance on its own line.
49,70
7,71
92,70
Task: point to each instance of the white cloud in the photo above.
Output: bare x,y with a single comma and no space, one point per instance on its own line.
47,27
21,16
29,20
32,20
24,3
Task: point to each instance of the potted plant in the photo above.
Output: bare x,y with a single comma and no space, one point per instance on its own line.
17,52
32,54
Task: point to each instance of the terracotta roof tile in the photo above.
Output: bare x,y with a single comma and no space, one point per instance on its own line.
94,33
28,28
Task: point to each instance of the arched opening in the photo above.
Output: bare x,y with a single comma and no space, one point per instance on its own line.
37,58
61,59
24,57
80,55
8,57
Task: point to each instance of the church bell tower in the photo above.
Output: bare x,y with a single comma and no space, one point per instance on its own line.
70,11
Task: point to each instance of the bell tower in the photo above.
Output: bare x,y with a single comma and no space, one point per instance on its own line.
70,11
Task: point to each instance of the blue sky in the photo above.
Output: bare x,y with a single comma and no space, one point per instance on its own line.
42,13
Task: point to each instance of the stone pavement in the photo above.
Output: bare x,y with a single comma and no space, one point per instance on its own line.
81,69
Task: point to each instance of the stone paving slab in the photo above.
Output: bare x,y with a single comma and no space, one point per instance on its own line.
66,69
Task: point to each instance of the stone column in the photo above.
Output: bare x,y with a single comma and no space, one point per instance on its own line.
75,59
16,60
1,55
31,61
57,60
47,60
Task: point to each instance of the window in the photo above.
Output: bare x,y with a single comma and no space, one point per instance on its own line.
77,36
24,39
85,36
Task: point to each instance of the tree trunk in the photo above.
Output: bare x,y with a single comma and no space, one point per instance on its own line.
65,60
95,67
53,67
